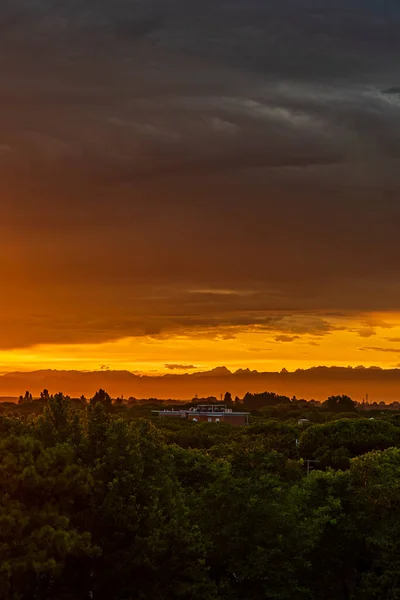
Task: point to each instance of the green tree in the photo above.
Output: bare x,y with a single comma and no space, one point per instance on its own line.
59,422
40,490
96,428
276,436
374,479
335,443
151,547
258,542
356,555
199,435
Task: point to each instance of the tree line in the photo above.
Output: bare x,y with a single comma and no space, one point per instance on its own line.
94,505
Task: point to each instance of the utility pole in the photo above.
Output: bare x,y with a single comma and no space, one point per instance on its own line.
310,465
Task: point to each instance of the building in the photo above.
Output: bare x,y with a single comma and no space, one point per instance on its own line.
210,413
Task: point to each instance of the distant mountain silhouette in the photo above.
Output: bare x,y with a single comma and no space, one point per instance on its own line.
317,382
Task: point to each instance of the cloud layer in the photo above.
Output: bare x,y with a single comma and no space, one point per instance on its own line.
154,156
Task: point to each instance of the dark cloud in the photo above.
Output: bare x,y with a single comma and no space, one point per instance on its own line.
148,149
379,349
148,89
65,320
180,367
286,338
366,332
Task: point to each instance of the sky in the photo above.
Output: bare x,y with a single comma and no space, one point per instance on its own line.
190,183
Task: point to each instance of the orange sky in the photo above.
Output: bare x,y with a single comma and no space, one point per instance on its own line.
192,187
374,341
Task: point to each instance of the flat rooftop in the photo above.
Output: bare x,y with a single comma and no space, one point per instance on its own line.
214,413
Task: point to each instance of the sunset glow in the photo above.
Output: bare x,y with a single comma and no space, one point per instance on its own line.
350,342
198,195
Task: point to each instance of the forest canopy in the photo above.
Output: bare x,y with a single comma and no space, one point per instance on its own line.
97,502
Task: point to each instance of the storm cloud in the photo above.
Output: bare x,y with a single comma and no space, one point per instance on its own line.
149,150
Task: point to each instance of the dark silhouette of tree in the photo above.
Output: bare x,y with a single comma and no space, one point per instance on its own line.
258,401
45,394
228,398
340,404
25,399
101,397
